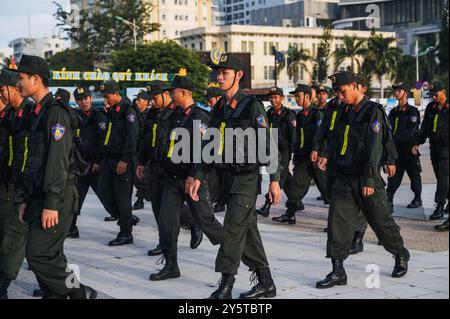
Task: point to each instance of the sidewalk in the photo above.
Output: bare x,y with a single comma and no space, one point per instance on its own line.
296,254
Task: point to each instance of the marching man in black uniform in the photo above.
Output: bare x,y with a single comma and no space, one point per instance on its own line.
357,146
435,128
242,240
115,185
177,167
92,133
142,185
47,194
307,122
405,122
284,120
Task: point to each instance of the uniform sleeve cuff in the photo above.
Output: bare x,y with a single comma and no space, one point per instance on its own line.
52,202
369,182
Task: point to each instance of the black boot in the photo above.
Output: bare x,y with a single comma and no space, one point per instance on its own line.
336,277
415,203
135,220
225,288
265,287
401,264
73,233
38,293
155,251
438,212
139,204
170,269
110,219
265,210
301,207
288,217
124,237
4,285
442,227
219,207
290,220
196,236
84,292
357,243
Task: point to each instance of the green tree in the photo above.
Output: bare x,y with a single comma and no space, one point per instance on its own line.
382,57
320,61
443,46
73,60
100,31
406,69
162,56
296,59
353,49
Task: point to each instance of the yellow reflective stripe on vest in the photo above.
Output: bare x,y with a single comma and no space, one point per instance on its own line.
108,134
302,137
155,126
77,133
344,147
222,137
395,125
271,125
173,135
25,154
11,151
333,120
435,122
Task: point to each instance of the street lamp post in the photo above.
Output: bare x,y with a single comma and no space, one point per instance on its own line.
133,27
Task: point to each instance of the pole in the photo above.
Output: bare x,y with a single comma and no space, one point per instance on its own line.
275,71
417,59
134,35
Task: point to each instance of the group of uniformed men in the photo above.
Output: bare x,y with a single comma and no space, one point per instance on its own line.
50,155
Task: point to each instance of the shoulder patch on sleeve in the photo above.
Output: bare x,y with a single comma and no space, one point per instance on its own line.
58,131
203,127
102,125
376,126
294,123
413,119
261,121
131,118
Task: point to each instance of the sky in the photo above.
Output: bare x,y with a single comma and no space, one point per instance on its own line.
14,20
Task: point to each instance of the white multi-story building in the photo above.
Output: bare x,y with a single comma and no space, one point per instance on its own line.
259,40
43,47
241,11
174,16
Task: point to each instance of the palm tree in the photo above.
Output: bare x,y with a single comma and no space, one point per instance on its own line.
353,49
296,59
406,69
382,57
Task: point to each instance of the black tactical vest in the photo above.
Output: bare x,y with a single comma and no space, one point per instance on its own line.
239,118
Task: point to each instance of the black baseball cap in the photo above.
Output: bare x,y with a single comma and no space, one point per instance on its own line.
301,88
81,93
322,88
142,95
436,87
182,82
362,80
8,77
402,86
63,94
108,87
32,64
228,61
342,78
275,91
154,88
